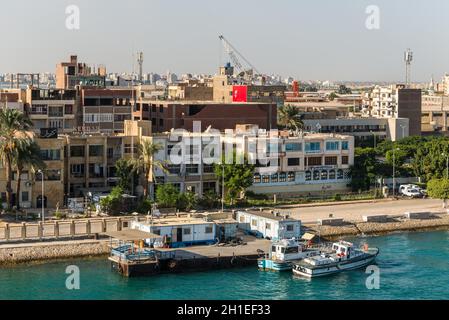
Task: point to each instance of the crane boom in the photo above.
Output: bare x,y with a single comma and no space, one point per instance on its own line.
234,54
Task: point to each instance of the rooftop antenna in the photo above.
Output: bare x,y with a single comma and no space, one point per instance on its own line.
140,62
408,58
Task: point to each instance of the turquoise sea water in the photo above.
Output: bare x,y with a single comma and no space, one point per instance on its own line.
412,266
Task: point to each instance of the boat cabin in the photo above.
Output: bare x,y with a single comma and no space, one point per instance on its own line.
343,248
286,249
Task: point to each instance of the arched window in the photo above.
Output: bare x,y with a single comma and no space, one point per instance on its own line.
39,201
291,176
316,175
265,179
308,175
340,174
256,178
274,178
331,174
324,175
282,177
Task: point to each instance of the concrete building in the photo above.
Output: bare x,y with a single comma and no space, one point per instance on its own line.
395,102
165,115
52,109
229,89
73,73
105,110
12,99
435,112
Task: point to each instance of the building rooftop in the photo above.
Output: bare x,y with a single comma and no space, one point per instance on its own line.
269,215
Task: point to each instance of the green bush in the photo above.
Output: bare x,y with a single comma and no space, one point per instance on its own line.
144,206
337,197
210,200
167,196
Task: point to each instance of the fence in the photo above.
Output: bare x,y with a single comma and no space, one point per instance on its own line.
61,229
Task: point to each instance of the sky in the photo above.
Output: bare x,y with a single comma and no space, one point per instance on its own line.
308,40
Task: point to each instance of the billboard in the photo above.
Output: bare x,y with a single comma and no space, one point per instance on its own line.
239,93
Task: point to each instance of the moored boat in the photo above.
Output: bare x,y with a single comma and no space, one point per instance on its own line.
344,256
284,252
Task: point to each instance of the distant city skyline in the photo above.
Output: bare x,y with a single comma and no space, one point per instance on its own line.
326,40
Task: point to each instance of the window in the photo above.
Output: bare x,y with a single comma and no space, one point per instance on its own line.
289,227
308,175
268,226
242,219
316,175
96,151
330,161
208,229
96,170
282,177
161,122
313,147
77,151
324,175
344,160
55,112
332,145
186,231
254,222
291,176
77,170
208,168
51,155
209,186
192,168
293,147
256,178
314,161
265,179
25,196
274,177
340,174
331,174
129,148
293,161
344,145
53,175
161,109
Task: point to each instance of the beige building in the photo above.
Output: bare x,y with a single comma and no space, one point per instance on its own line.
435,112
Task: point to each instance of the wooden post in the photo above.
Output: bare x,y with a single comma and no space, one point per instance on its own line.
103,225
119,224
7,231
56,229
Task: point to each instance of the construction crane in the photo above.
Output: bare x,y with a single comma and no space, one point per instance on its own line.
234,54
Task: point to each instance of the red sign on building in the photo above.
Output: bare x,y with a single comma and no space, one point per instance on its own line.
239,93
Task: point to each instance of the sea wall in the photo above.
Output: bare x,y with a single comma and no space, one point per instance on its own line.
49,251
435,222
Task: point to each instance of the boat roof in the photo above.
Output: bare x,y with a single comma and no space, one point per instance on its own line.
131,235
164,222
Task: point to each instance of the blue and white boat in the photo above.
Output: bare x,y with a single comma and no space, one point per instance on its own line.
344,256
284,252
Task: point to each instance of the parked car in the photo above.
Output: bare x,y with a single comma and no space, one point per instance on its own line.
412,193
404,187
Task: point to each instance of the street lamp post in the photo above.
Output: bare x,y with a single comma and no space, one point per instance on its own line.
222,189
42,196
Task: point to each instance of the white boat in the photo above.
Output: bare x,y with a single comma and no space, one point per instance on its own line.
344,256
284,252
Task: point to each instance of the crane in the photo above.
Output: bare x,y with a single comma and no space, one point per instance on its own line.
234,54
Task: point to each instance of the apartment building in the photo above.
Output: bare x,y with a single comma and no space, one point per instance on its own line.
73,73
52,108
106,110
395,101
165,115
435,112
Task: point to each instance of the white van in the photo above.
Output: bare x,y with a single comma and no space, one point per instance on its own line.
405,187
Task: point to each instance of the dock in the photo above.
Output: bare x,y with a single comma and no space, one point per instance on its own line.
131,261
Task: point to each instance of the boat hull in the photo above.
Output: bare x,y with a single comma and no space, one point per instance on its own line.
313,272
267,264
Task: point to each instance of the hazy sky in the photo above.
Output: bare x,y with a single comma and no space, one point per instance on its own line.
319,39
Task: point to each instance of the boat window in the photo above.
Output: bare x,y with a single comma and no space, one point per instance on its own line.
273,249
292,250
282,250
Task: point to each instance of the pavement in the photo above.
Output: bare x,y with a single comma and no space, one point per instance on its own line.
354,211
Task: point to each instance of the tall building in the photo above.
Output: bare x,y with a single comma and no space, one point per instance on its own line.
395,102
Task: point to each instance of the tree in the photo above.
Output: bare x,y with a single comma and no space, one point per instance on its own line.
167,196
146,161
290,118
332,96
187,201
439,189
342,89
28,156
364,170
237,177
13,132
125,171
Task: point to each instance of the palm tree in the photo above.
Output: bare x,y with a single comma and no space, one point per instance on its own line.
290,118
146,161
13,132
28,156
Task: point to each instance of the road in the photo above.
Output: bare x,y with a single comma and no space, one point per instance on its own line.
355,211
